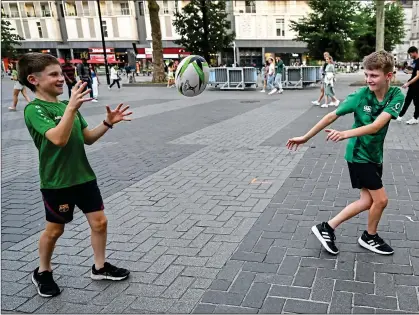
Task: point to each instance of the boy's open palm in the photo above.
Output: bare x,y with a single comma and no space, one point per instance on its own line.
118,114
77,95
295,142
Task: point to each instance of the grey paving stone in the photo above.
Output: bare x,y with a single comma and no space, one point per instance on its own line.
384,284
274,279
247,256
375,301
407,298
299,306
322,290
290,292
10,303
272,305
304,277
341,303
220,285
242,282
362,310
170,274
119,304
227,309
354,286
219,297
275,255
256,295
147,290
157,305
11,288
260,267
203,308
289,265
178,287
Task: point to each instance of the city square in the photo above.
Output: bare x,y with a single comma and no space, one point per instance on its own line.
211,212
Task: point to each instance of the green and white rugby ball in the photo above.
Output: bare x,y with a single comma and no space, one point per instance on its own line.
192,76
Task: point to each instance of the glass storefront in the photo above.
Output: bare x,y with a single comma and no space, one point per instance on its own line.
250,57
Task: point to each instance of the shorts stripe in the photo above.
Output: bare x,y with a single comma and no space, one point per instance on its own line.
51,211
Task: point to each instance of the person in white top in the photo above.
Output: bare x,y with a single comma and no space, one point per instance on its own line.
114,77
271,74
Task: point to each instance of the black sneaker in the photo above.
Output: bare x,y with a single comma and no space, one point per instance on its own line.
375,244
45,283
326,236
109,272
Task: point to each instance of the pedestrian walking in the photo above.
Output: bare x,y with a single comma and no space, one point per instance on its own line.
317,102
95,81
279,67
85,76
373,108
17,88
115,78
60,133
69,73
412,86
329,84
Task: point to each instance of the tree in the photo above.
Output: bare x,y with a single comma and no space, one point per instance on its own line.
366,42
380,22
158,64
8,39
203,27
329,27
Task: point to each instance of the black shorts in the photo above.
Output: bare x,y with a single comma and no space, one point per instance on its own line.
366,175
60,203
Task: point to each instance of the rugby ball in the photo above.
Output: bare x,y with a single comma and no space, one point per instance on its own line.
192,76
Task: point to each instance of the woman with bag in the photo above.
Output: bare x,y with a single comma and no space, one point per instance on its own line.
18,88
115,78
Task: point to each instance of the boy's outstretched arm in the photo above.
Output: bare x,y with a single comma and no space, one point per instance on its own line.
376,126
323,123
112,117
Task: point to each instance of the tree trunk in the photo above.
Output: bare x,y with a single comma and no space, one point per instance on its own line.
158,64
206,51
379,43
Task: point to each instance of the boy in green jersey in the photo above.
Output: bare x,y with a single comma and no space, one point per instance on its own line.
60,132
373,107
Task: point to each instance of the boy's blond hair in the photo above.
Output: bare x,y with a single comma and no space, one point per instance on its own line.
379,60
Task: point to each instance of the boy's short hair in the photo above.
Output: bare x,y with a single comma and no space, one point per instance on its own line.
379,60
33,63
412,49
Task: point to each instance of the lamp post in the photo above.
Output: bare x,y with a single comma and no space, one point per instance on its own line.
103,43
234,54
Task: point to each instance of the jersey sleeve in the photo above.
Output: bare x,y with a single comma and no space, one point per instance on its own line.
83,122
39,119
395,105
350,103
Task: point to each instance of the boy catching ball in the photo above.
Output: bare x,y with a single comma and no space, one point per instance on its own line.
373,108
60,132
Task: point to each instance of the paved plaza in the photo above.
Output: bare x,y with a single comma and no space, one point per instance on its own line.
211,213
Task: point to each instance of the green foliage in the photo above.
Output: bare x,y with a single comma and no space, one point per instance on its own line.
329,27
8,39
203,27
394,32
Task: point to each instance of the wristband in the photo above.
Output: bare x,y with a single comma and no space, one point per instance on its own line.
107,125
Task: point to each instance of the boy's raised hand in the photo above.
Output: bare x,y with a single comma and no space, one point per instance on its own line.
297,141
77,95
118,114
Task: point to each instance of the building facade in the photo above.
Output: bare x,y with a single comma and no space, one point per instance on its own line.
414,35
400,51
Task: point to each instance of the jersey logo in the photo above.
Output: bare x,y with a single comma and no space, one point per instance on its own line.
396,107
58,117
367,109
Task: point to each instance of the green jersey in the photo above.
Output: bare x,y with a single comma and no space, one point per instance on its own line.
366,108
279,66
59,167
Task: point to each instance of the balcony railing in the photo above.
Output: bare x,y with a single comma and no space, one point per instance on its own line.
46,13
14,14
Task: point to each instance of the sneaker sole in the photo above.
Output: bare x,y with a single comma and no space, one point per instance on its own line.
39,292
322,241
100,277
373,249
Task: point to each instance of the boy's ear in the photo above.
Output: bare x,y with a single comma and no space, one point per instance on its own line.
32,79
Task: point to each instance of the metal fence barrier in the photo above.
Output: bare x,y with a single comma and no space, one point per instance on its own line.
239,78
233,78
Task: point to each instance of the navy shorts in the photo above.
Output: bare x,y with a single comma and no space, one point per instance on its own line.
60,203
366,175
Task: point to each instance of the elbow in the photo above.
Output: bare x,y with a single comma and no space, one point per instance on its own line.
87,142
60,143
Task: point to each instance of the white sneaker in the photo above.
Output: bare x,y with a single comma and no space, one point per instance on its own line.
94,100
336,103
280,91
263,91
315,103
272,92
412,121
324,106
399,119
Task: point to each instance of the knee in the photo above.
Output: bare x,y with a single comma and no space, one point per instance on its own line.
381,202
100,225
54,233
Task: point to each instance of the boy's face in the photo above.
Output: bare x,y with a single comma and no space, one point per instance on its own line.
50,81
377,79
413,55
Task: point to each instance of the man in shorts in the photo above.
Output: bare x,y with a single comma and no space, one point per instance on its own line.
373,107
17,88
60,132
